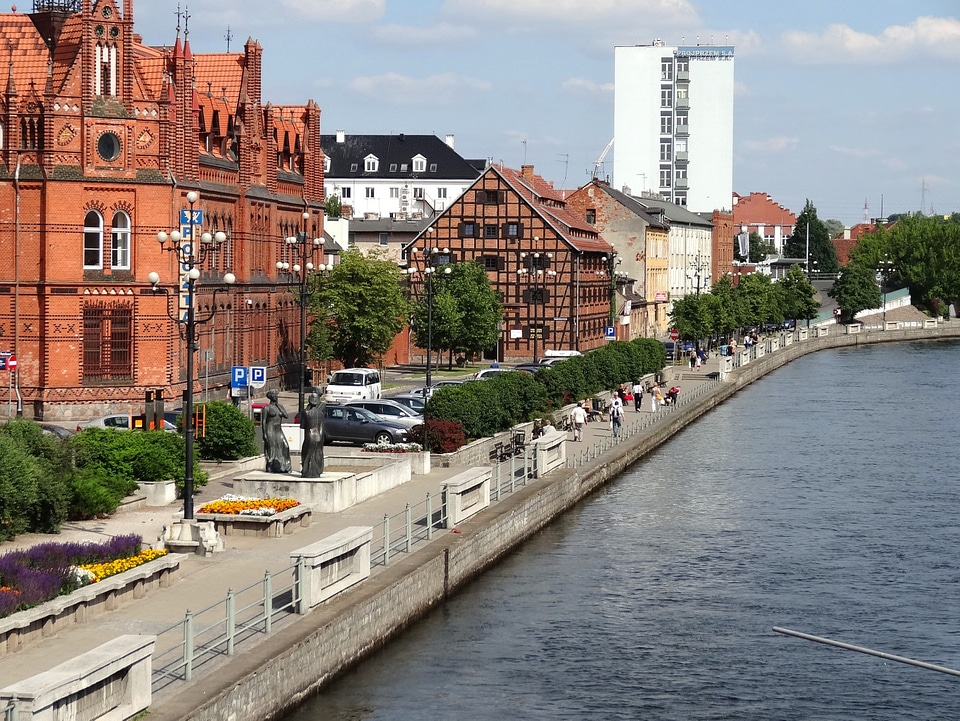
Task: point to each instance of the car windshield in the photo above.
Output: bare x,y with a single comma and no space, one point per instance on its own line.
341,378
362,414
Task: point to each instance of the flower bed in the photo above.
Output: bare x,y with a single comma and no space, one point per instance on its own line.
34,575
392,447
240,505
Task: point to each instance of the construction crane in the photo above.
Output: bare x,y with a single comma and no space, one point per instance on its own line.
599,163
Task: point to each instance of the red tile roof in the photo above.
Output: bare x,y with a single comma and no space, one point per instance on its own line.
220,74
27,52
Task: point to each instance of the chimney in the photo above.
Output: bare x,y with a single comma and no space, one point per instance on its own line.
526,171
450,140
341,136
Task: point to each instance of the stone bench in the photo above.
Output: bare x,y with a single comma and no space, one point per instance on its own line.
551,452
110,682
275,526
331,565
466,494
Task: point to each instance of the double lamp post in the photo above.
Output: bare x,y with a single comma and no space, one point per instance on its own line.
432,256
190,255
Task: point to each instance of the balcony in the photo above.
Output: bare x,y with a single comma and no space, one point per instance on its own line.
682,156
683,103
680,184
683,129
683,76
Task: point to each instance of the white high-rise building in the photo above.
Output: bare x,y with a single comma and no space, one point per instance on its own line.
673,123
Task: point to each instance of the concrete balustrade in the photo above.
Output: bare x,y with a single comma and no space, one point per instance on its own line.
466,494
551,452
109,683
332,565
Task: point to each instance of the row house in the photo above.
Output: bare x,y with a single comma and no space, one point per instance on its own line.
552,269
759,213
103,142
641,241
395,177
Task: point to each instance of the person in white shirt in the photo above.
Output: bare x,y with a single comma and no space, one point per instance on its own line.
579,418
616,414
637,391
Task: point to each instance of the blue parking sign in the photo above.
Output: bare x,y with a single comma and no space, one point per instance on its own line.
611,332
239,377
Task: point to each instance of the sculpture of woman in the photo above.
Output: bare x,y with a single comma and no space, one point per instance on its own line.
275,446
311,454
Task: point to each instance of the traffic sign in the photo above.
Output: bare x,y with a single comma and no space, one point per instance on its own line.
258,376
11,362
239,377
674,334
611,333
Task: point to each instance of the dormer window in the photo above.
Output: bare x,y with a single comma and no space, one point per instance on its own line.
419,164
371,164
326,164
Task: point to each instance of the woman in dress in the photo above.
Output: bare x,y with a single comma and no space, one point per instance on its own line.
311,454
276,450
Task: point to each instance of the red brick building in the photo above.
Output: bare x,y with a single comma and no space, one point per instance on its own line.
551,268
759,213
101,139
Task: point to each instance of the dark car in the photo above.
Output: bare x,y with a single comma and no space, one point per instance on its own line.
411,400
528,367
352,424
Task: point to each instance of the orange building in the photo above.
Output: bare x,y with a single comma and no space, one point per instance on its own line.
101,139
759,213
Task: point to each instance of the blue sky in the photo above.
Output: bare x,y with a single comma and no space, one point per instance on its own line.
843,102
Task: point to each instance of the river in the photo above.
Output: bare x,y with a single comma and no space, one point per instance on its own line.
822,498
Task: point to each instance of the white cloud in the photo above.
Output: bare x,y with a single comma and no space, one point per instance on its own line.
584,86
336,11
411,37
840,44
854,152
572,11
393,89
771,145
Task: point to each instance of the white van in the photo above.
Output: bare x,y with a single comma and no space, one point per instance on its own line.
555,356
354,384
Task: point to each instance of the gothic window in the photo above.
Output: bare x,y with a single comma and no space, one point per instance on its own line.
93,240
105,70
120,242
107,342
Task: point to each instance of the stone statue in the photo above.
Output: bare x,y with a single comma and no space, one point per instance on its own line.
275,446
311,454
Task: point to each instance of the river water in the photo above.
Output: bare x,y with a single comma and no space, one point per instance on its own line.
823,498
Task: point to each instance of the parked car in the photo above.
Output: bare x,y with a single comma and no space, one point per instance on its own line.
354,383
414,402
685,346
120,421
528,367
358,425
55,430
489,373
390,410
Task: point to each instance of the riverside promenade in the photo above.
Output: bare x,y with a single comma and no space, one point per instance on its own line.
264,679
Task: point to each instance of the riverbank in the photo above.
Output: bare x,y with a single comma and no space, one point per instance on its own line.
299,658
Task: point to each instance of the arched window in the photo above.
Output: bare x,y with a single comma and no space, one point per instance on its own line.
120,242
93,240
2,138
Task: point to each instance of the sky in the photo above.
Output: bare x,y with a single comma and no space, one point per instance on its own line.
842,102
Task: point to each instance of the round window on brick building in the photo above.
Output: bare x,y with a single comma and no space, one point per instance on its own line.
109,146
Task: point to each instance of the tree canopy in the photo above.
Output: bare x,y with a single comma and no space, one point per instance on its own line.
359,309
821,249
856,289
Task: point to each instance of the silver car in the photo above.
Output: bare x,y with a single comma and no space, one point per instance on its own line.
390,410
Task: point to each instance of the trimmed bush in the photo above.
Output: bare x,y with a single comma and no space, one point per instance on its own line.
445,436
229,433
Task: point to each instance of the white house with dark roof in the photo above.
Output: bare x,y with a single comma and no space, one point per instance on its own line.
395,176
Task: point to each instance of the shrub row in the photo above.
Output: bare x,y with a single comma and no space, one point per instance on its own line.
491,406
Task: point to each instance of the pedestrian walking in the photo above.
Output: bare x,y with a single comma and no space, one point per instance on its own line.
579,417
698,361
637,395
616,416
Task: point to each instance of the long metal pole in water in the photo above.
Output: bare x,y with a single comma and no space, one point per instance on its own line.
868,651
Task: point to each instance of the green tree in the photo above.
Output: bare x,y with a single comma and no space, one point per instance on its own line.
758,248
761,302
834,227
19,482
797,294
361,307
442,322
855,290
821,249
692,316
729,313
332,207
479,306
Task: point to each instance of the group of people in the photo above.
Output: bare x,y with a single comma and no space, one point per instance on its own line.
276,449
697,357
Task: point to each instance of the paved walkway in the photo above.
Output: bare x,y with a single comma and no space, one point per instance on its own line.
205,581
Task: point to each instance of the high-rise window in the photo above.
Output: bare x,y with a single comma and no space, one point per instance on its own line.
666,97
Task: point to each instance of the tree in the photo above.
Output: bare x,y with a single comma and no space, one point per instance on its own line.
821,249
798,295
229,434
442,322
758,249
479,306
855,290
362,307
692,316
333,208
729,307
761,302
834,227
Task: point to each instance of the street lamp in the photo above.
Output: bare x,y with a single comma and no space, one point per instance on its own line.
432,259
189,257
304,253
885,269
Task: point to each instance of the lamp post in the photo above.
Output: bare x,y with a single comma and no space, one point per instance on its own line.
885,269
304,254
189,257
432,257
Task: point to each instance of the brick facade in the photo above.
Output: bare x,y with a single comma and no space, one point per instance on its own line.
102,138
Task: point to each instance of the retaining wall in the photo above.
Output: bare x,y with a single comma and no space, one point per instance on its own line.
298,660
